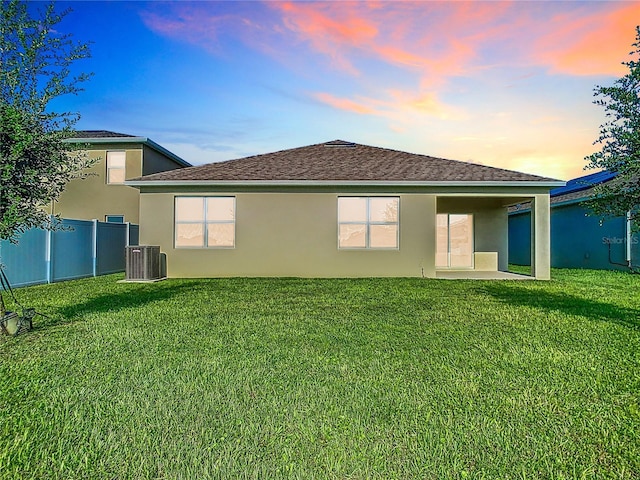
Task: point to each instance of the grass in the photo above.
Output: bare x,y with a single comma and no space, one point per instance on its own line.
298,378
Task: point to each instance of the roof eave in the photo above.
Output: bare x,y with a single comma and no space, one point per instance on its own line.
334,183
144,140
563,203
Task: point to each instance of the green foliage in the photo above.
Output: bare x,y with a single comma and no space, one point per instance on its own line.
35,161
326,378
620,142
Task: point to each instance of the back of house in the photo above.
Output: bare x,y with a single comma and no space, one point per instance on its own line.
339,209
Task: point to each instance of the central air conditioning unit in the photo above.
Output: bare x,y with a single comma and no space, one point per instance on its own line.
143,262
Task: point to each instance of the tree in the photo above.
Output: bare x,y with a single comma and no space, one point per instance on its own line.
620,141
35,161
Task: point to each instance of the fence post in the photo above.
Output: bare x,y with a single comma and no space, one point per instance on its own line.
629,238
48,246
128,239
94,255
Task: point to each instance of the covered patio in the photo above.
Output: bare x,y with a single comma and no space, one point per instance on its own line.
472,236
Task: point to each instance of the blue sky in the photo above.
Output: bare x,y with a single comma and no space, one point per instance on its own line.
507,84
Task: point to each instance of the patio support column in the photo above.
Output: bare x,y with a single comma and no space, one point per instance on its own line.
540,237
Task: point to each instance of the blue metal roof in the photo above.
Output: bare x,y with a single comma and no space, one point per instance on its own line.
582,183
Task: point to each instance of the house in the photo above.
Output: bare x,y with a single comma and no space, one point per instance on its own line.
578,239
98,247
339,209
103,194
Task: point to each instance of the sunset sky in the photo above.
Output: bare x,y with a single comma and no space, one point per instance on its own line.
508,84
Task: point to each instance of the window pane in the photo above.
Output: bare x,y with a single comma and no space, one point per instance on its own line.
383,209
221,235
442,240
352,236
116,159
189,235
115,175
352,209
383,236
220,209
189,209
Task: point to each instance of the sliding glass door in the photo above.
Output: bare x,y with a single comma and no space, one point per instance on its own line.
454,240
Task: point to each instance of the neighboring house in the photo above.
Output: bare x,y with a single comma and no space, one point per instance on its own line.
578,238
339,209
103,194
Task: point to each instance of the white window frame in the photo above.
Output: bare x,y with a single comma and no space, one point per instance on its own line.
368,223
110,168
106,218
203,222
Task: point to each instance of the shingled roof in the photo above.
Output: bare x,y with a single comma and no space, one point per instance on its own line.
100,134
106,137
341,161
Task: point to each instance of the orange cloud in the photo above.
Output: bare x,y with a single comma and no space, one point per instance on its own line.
394,105
314,23
309,20
344,104
430,104
399,56
593,44
428,38
431,40
425,103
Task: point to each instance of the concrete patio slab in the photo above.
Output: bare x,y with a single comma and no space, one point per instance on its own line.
476,275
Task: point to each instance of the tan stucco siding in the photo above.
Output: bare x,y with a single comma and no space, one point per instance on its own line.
491,234
92,197
155,162
293,234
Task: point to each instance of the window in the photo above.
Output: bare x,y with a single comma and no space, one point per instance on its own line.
116,162
205,222
454,241
114,218
368,222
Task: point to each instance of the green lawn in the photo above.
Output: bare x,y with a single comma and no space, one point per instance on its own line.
295,378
